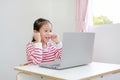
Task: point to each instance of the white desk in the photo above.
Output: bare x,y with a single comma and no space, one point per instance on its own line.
88,72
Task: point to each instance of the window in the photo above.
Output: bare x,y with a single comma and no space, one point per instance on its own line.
106,11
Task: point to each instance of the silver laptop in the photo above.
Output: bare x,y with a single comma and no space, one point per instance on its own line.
76,51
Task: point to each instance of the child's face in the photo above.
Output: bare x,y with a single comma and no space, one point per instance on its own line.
45,32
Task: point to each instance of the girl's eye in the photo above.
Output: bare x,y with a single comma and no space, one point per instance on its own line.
45,30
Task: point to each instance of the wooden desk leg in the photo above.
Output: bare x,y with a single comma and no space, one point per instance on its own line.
18,75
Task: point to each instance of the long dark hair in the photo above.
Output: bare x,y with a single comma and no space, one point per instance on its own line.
38,24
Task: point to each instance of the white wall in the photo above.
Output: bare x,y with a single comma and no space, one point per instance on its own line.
63,16
16,20
107,43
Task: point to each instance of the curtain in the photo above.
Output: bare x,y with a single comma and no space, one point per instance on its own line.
83,17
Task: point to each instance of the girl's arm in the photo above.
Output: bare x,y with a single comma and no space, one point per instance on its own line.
58,50
34,53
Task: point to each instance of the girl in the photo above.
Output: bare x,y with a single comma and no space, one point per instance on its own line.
42,49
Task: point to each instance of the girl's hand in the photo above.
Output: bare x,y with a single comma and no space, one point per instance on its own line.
55,38
37,37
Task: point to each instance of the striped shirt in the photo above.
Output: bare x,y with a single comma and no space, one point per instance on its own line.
36,54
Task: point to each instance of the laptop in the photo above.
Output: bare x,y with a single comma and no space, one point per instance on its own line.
76,51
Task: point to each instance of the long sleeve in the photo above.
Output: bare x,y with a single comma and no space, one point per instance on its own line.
58,50
34,53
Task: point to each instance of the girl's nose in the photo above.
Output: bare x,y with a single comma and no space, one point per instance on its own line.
49,34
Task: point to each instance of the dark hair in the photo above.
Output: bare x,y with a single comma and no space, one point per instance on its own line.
38,24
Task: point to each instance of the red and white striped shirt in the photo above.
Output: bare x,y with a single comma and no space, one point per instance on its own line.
36,54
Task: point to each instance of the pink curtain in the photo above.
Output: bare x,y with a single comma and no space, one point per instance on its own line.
82,19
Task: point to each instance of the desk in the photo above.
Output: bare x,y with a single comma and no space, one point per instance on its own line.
91,71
